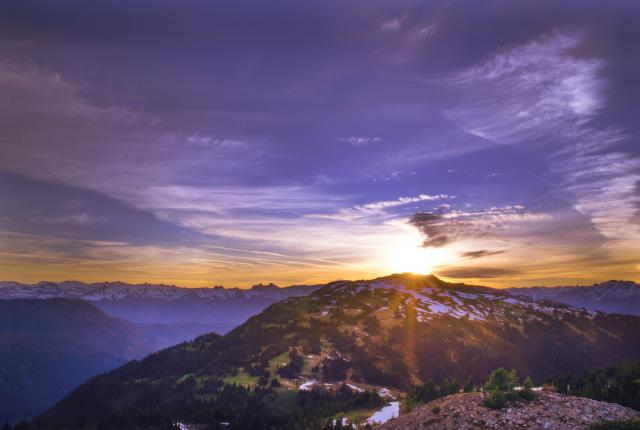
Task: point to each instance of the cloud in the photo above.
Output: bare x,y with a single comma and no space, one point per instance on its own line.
379,207
477,272
433,227
480,253
408,30
392,26
81,219
546,98
51,132
174,178
228,152
542,86
422,32
448,225
401,201
214,142
359,142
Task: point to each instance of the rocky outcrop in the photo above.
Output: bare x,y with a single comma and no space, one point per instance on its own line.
550,411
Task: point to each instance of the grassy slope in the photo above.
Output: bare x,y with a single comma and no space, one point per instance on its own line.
383,347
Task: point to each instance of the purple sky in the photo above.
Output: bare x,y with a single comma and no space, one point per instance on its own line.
202,142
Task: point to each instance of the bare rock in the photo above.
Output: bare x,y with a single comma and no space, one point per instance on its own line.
550,411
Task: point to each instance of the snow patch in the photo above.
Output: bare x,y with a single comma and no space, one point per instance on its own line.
384,392
307,386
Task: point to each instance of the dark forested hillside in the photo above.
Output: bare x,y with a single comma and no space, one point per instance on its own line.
390,333
618,384
48,347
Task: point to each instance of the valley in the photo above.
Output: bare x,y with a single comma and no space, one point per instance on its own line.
348,345
56,335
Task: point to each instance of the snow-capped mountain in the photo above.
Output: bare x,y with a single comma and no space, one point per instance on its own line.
438,298
220,309
385,334
612,296
122,291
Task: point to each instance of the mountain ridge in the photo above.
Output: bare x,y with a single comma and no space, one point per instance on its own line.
611,296
384,334
49,346
217,307
117,290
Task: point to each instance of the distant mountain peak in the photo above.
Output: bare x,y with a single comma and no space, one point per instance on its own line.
614,296
110,291
617,284
268,286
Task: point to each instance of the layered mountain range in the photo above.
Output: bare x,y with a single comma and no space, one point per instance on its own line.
385,335
115,291
612,296
53,336
216,309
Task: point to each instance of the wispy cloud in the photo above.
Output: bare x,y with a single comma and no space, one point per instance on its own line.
214,142
393,25
378,208
82,219
359,142
545,97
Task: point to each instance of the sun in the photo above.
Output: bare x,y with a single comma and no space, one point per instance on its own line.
414,259
406,254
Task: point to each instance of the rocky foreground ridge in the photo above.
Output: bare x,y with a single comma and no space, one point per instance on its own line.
550,411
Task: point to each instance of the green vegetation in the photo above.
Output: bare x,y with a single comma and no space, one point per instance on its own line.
468,386
617,384
527,390
278,361
501,379
436,409
262,359
429,391
496,400
293,368
501,383
335,369
243,379
617,425
216,403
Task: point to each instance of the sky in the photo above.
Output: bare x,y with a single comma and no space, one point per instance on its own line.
235,142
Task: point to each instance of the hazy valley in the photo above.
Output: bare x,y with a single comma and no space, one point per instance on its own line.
56,335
